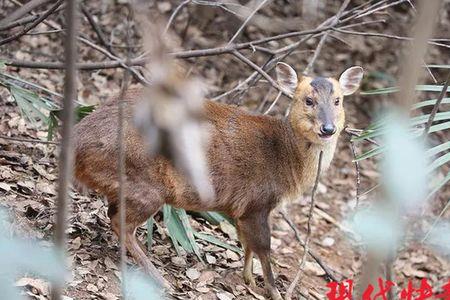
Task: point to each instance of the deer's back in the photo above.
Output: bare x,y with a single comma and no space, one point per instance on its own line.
250,159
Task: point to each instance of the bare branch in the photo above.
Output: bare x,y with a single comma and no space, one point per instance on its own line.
174,14
98,31
23,10
65,158
358,173
24,140
294,283
19,22
260,71
389,36
250,16
121,164
33,24
325,36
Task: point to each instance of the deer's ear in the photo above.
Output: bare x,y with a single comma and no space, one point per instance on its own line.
286,77
350,80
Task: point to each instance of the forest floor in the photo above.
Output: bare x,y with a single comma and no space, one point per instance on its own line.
28,176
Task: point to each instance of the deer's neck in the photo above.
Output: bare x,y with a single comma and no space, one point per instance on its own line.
304,161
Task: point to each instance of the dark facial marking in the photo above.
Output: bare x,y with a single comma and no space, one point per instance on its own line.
322,86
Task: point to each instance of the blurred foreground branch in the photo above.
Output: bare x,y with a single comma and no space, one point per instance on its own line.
65,158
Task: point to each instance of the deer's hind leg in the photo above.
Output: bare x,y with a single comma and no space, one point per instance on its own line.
142,202
248,259
255,230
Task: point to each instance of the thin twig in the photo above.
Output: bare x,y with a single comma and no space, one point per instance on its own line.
294,283
273,103
65,158
250,16
261,71
329,273
105,52
389,36
19,22
24,140
358,172
121,164
98,31
32,25
174,14
23,10
436,106
325,36
353,131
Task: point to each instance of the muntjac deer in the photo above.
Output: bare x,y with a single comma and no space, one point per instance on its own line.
255,162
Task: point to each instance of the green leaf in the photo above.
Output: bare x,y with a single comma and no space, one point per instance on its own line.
82,111
2,65
211,239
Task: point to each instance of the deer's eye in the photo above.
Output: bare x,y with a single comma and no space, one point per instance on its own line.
309,101
336,101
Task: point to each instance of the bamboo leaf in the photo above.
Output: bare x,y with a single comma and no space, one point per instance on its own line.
189,231
439,66
439,185
211,217
373,152
390,90
439,162
430,102
25,103
440,127
175,229
435,150
213,240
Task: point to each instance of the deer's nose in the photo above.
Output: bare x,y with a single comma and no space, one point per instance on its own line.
328,129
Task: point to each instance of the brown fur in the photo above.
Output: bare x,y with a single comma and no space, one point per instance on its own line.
255,163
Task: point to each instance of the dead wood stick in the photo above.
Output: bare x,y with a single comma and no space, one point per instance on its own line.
32,25
294,283
66,156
